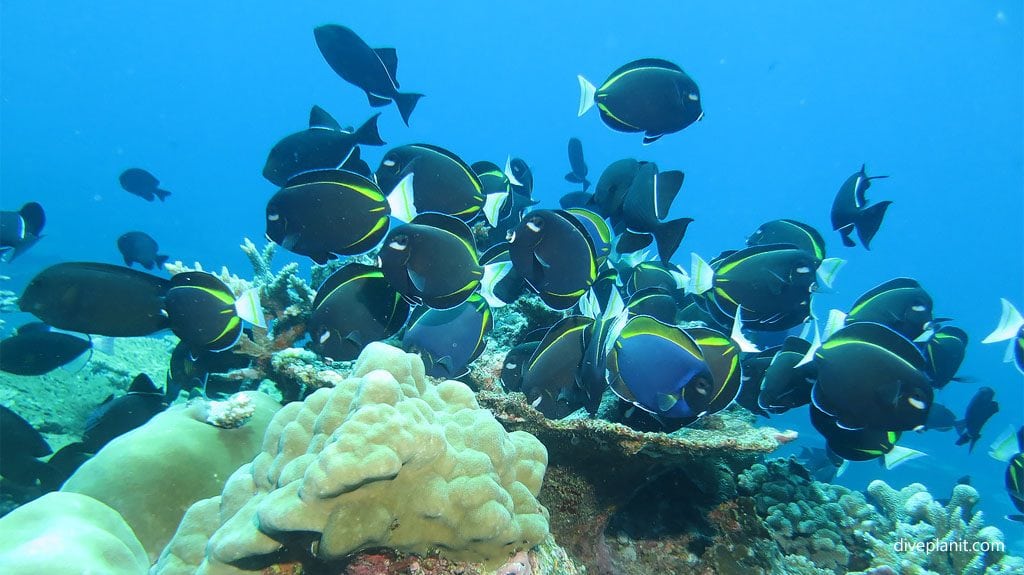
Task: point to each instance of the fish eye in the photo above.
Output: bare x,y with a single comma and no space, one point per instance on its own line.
535,224
273,217
399,242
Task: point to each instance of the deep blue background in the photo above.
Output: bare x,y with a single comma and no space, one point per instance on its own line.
797,96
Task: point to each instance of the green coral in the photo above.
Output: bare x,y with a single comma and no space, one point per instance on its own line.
385,459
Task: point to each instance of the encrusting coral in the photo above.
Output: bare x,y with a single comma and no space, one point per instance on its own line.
384,459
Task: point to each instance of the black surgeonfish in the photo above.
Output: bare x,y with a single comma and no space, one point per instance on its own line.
99,299
901,304
204,313
1014,479
35,350
646,204
353,307
328,213
871,376
140,248
787,385
577,165
981,408
372,70
772,283
139,182
651,95
20,446
20,230
432,260
660,369
117,416
515,363
449,340
945,351
421,178
324,146
190,369
850,210
804,237
1011,327
853,444
553,252
550,378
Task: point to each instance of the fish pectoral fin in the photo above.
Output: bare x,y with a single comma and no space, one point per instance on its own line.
418,280
447,363
666,402
650,139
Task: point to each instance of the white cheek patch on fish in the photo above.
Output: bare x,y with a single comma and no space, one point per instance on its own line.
693,97
397,246
537,401
533,227
916,403
918,307
389,163
803,270
510,366
273,217
326,335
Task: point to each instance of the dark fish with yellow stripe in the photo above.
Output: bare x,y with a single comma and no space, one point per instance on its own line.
804,237
35,349
190,369
901,303
206,315
449,340
601,235
422,178
551,377
722,357
552,251
851,212
372,70
353,307
651,95
432,260
660,369
945,351
324,146
871,376
328,213
853,444
786,384
515,364
98,299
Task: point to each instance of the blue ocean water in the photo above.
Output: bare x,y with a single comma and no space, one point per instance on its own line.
797,96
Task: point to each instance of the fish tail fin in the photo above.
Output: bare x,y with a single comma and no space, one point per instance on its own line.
367,134
34,217
401,199
669,235
587,92
493,273
828,270
248,308
869,220
492,207
103,343
815,346
900,455
161,260
702,277
1004,447
572,178
737,335
964,437
1010,322
406,103
161,193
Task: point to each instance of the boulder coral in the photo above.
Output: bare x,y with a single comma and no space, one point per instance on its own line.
384,459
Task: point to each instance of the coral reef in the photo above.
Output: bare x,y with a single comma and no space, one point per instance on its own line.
651,487
909,533
514,321
422,466
177,457
69,534
231,413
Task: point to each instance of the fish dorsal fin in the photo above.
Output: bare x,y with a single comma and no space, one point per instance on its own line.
893,284
646,63
452,157
389,57
142,384
347,273
319,118
485,167
33,327
726,263
1010,322
669,184
201,280
811,232
447,223
886,338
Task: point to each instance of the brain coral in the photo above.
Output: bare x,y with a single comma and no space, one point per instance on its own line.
385,459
